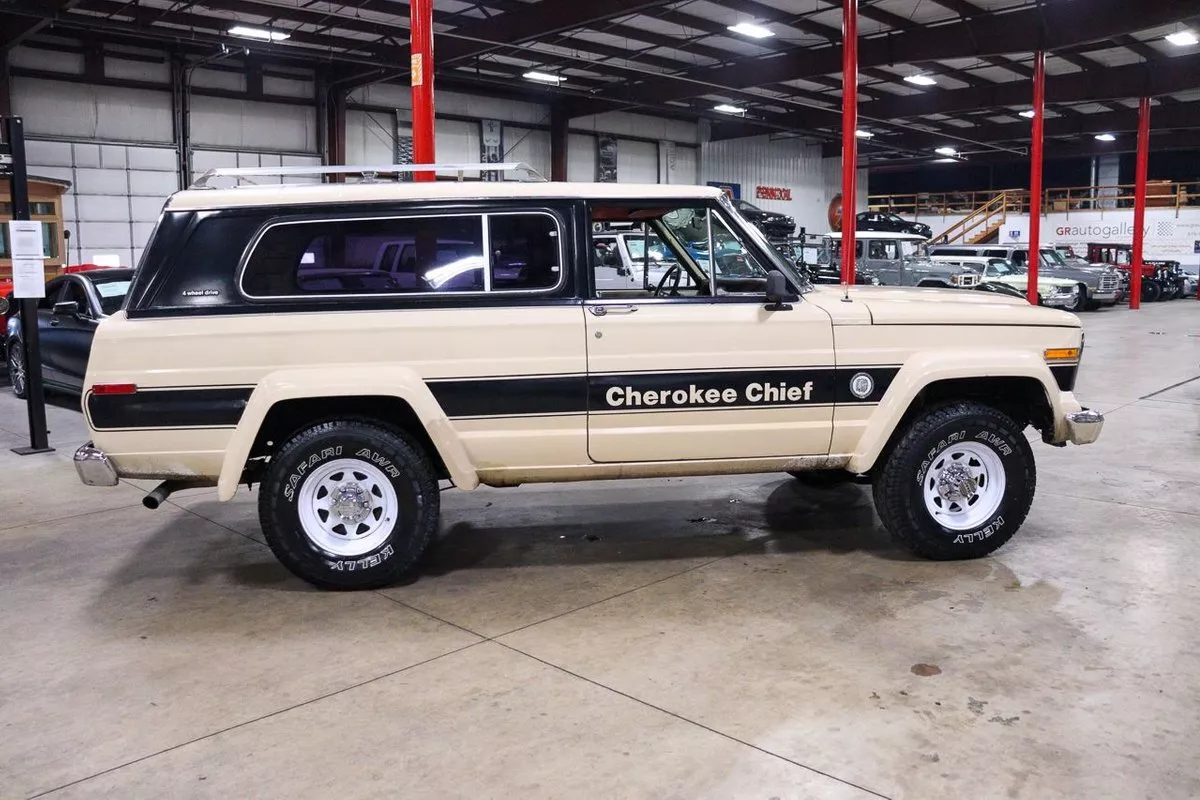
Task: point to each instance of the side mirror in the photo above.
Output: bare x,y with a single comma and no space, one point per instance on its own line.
778,294
67,308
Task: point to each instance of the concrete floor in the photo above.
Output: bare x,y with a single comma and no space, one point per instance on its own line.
724,637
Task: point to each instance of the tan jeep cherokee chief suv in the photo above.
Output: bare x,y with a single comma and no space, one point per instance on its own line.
349,345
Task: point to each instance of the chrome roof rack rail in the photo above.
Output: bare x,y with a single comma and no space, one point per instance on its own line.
367,173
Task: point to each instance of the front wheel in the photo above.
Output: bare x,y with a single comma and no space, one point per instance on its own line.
958,484
1151,291
1081,300
18,376
349,505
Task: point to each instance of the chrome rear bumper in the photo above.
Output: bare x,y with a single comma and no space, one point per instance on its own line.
94,468
1083,427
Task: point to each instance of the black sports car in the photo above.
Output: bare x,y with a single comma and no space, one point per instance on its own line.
67,318
772,223
884,221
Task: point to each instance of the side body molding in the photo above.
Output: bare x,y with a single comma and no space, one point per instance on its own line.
293,384
926,368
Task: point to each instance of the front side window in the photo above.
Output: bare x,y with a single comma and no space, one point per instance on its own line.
677,251
405,255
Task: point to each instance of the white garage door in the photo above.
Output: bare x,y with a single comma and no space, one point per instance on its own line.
203,160
117,192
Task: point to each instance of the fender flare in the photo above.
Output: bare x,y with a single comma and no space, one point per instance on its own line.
926,368
294,384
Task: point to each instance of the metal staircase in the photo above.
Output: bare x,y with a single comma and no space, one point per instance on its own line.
982,225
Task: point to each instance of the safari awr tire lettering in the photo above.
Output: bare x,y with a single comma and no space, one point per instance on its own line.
348,347
349,504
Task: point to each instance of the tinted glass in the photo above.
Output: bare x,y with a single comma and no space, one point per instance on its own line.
372,256
525,252
112,295
73,292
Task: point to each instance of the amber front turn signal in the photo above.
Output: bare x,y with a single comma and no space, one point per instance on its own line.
1062,354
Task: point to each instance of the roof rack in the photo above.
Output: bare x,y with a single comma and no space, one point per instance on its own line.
367,173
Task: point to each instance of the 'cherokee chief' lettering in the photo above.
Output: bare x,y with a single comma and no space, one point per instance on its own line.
694,396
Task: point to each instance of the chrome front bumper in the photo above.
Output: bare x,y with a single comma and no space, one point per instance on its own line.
1083,427
94,468
1059,300
1097,296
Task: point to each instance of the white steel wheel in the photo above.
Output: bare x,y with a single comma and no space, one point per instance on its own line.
347,507
964,486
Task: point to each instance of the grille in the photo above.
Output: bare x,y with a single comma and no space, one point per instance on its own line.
1108,283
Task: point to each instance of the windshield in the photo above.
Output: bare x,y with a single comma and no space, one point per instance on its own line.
1002,267
1053,257
657,250
775,260
112,295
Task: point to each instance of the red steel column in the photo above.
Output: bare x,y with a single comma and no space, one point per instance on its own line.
1139,203
421,12
1035,174
849,140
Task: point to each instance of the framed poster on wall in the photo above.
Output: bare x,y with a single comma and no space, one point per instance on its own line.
606,159
491,146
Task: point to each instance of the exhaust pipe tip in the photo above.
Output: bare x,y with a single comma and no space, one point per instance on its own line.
160,494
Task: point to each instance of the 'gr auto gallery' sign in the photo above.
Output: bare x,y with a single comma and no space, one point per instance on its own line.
772,193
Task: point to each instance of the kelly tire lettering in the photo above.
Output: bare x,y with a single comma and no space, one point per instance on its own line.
899,483
404,477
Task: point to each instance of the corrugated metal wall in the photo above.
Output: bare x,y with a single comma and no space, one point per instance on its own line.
784,163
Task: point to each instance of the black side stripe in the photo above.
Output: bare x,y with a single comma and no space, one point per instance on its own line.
168,408
543,395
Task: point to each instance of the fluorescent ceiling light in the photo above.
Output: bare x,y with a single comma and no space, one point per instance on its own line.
1105,137
949,152
920,80
1183,38
945,161
752,30
543,77
1030,114
258,33
863,134
725,108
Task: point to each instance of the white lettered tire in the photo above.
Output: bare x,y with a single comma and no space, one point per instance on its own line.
958,484
349,504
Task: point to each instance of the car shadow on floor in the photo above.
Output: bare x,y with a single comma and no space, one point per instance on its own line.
793,518
783,517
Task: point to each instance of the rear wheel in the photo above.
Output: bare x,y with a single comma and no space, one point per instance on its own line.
1151,291
349,504
18,376
958,484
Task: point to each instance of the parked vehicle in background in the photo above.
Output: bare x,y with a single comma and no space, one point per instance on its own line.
1061,293
1161,280
8,307
349,407
1100,284
886,221
898,259
67,318
772,223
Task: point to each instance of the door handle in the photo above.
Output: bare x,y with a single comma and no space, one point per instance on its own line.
601,311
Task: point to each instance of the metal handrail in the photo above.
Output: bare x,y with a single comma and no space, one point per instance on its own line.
1163,194
368,173
998,206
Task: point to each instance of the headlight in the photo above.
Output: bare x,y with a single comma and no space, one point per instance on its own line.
1072,289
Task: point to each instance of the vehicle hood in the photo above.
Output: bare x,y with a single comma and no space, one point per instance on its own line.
898,305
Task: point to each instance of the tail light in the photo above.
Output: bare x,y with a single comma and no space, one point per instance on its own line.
114,388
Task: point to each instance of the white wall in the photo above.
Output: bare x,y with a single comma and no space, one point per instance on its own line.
785,163
1167,236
